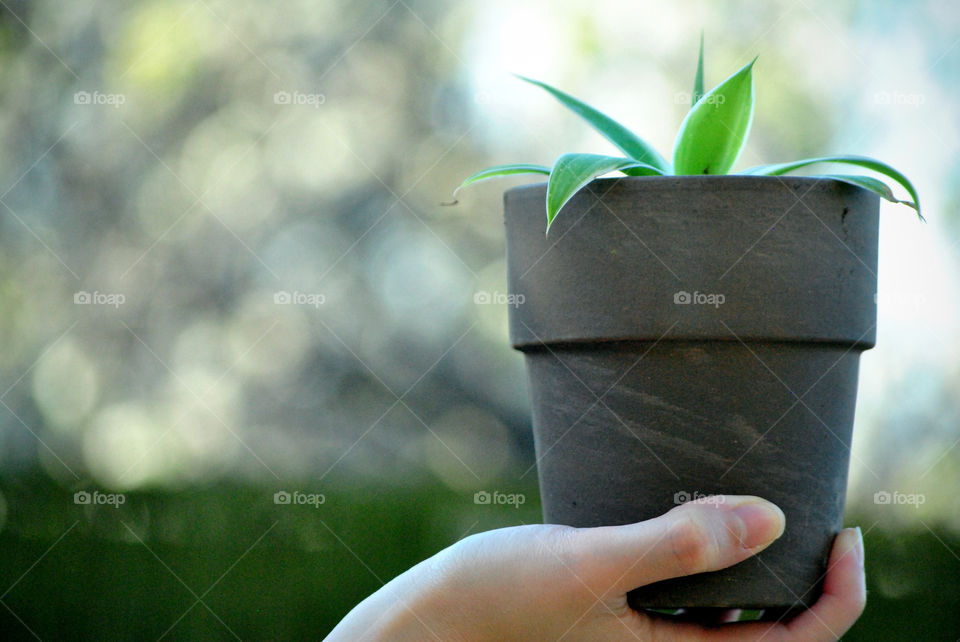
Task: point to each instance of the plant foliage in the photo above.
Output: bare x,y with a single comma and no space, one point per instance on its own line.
709,141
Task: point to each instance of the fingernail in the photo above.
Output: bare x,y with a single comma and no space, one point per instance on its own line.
851,543
760,523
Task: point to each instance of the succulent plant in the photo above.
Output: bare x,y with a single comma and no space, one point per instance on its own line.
709,141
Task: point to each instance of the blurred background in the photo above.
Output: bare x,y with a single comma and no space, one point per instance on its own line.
247,375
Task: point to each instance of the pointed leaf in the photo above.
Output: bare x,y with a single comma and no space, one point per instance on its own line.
713,133
572,171
628,142
698,80
778,169
870,183
874,185
506,170
641,169
500,170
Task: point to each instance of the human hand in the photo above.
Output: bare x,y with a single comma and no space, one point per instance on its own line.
548,582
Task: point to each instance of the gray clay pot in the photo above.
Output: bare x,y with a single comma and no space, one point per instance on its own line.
691,336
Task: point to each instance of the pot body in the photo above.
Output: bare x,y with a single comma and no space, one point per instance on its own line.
694,336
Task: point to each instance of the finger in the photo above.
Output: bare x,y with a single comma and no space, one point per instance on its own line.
693,538
843,600
844,593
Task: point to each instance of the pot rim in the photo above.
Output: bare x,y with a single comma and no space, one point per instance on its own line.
690,181
626,273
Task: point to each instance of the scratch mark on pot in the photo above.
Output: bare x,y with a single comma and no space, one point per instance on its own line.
743,432
660,404
674,448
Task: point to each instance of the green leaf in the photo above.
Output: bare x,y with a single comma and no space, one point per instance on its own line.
698,80
779,169
872,184
628,142
713,133
500,170
573,171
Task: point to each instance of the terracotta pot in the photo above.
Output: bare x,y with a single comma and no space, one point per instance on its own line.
693,336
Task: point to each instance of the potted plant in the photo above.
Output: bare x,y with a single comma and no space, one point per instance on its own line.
690,333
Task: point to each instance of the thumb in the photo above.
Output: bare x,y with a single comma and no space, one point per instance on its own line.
693,538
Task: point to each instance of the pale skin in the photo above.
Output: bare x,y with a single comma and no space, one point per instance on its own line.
546,582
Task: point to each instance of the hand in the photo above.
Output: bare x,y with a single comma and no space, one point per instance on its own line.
547,582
